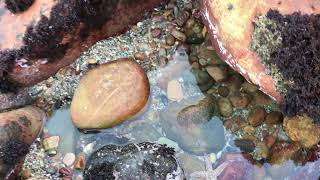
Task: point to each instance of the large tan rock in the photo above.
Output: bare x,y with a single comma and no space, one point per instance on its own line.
110,94
302,129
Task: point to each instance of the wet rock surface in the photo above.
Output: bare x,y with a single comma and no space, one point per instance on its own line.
109,95
193,134
18,129
133,161
13,100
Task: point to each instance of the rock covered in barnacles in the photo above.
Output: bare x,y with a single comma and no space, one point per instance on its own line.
39,40
18,130
133,161
110,94
271,45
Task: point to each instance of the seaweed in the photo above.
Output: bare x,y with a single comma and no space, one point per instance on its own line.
298,59
17,6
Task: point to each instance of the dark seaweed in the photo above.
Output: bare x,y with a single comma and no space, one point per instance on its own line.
17,6
299,61
13,150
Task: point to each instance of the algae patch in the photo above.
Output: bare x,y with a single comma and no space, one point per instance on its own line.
266,39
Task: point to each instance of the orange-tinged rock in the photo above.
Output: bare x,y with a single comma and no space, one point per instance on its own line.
109,95
302,129
230,25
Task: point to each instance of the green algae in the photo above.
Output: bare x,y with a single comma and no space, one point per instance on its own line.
266,39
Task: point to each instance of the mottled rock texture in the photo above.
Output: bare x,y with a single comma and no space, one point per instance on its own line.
51,34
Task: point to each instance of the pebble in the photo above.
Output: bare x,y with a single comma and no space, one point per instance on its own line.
203,62
139,56
156,32
262,151
225,107
162,52
213,158
190,23
183,16
26,173
170,40
195,65
92,61
240,101
65,172
174,91
218,73
270,140
51,170
179,35
249,88
69,159
234,124
223,91
193,58
256,116
245,145
51,143
249,130
79,162
274,117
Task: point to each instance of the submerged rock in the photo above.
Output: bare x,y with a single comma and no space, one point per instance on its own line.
193,128
18,130
133,161
110,94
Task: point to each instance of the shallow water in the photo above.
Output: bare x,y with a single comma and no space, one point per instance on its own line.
197,146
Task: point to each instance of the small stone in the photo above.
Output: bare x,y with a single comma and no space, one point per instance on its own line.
92,61
51,170
202,62
52,152
274,117
223,91
225,107
79,162
249,130
201,77
256,116
65,172
26,173
51,143
156,32
162,52
190,23
179,35
270,140
302,129
234,124
193,58
240,101
218,73
195,65
170,40
245,145
163,61
69,159
262,151
249,88
139,56
261,99
174,91
183,16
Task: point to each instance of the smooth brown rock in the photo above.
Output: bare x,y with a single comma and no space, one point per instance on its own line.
110,94
283,151
225,107
256,116
274,118
240,101
302,129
